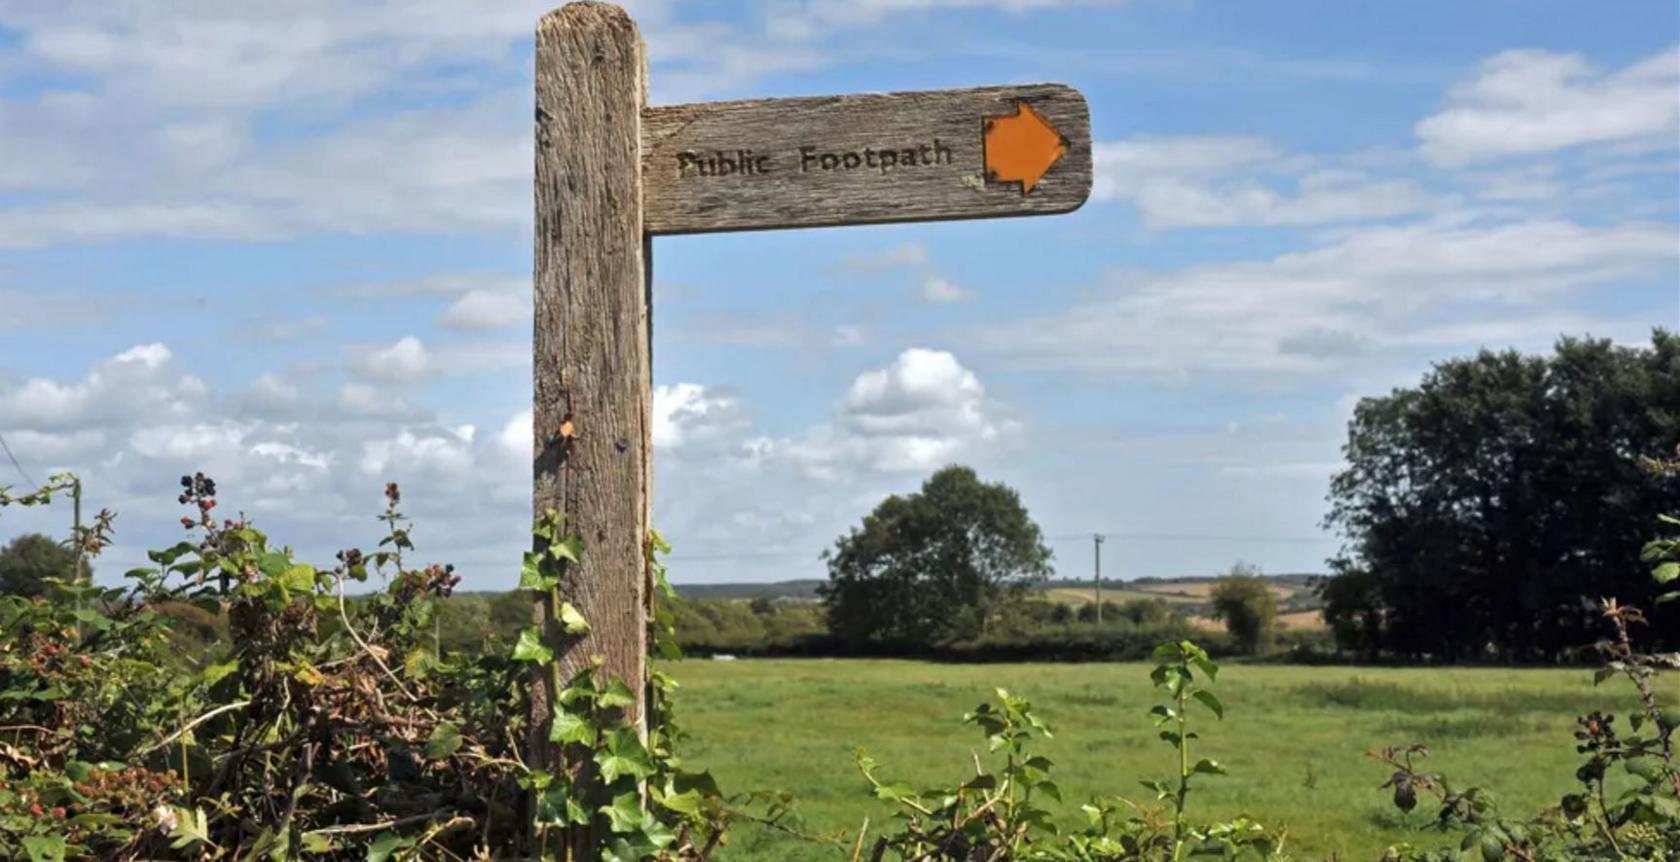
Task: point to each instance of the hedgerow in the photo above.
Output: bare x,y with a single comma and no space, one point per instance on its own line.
322,728
329,726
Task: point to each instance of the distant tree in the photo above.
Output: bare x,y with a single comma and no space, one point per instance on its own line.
1245,603
934,565
1147,612
1488,507
28,560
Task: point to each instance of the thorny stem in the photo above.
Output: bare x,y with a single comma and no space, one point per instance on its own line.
1638,671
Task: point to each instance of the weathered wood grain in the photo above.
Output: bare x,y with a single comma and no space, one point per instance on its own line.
791,191
591,350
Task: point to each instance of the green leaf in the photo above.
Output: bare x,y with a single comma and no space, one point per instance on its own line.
569,727
315,842
686,803
217,672
624,755
572,619
1648,768
299,578
531,576
617,696
569,549
531,648
1666,572
625,814
1211,701
444,741
383,847
895,792
191,828
44,848
1208,767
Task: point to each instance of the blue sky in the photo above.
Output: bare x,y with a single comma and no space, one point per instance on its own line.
289,244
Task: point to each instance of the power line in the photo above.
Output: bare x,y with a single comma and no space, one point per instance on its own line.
15,465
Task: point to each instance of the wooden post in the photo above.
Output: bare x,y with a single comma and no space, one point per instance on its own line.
592,404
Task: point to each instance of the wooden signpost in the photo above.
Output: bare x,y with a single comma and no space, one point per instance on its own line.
612,172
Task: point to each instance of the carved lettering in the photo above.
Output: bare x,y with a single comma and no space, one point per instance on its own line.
880,161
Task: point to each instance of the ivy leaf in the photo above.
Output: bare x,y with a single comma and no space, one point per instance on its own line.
625,814
616,696
444,741
531,575
1666,572
569,549
572,619
624,755
531,648
570,727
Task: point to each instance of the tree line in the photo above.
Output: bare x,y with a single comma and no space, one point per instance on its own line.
1489,507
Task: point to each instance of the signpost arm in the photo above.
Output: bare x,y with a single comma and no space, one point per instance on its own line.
592,398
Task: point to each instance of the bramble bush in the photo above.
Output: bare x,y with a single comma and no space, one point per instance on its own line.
321,728
324,726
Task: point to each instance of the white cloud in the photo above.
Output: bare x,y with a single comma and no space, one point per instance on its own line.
485,309
937,288
909,255
142,378
446,454
1527,102
403,361
687,413
917,413
1363,290
1226,181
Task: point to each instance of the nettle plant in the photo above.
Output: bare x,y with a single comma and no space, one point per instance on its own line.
1000,814
312,724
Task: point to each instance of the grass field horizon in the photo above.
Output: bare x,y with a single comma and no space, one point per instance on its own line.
1294,739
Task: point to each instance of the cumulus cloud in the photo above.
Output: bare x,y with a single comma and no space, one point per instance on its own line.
140,379
919,412
403,361
1526,102
478,310
690,413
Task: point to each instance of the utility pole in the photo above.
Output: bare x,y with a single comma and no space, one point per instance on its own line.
1096,544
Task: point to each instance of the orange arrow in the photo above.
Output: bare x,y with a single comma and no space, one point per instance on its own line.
1021,147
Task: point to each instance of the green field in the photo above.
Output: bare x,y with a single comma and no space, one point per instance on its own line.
1293,738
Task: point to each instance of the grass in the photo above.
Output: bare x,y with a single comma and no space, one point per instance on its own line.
1293,738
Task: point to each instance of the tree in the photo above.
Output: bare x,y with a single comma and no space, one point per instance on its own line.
1245,603
933,566
28,560
1488,507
